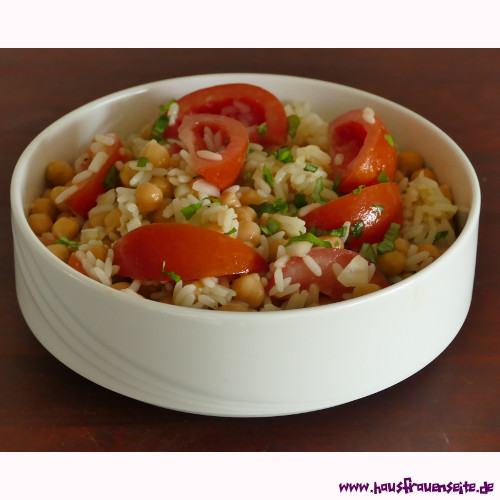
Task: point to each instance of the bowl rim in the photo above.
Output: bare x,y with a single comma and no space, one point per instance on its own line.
19,217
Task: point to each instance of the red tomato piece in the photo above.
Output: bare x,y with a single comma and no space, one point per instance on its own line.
249,104
221,172
366,147
89,189
191,252
328,283
75,263
375,206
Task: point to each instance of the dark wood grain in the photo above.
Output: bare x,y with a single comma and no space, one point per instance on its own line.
451,405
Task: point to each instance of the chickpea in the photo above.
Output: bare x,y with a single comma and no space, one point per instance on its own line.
120,285
233,306
335,241
250,197
432,249
148,197
230,199
360,290
157,215
47,239
427,173
40,223
59,173
401,245
398,176
54,193
164,184
146,131
100,252
46,193
249,289
273,247
98,219
156,154
246,213
409,161
65,227
61,251
392,263
249,231
43,206
126,174
445,189
112,219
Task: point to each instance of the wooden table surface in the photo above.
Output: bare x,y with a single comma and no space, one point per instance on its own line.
451,405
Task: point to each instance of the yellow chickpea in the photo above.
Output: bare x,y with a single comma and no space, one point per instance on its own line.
360,290
230,199
148,197
146,131
126,174
246,213
54,193
432,249
401,245
233,306
59,173
250,197
98,219
61,251
100,252
249,231
40,223
409,161
427,173
249,289
392,263
156,154
157,215
164,184
273,247
43,206
445,189
65,227
120,285
112,219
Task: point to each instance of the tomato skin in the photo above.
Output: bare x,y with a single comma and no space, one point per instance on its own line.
89,189
360,207
75,263
328,283
221,173
192,252
254,106
365,148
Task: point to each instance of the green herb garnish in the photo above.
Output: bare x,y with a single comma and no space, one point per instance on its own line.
336,184
159,127
318,231
231,231
439,236
387,244
389,139
171,274
111,179
358,189
272,227
268,176
310,168
262,129
383,177
64,240
367,252
284,155
280,205
299,201
142,162
190,210
357,229
311,238
378,208
316,195
293,125
248,178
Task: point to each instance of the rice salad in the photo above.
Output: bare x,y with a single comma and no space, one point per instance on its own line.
232,200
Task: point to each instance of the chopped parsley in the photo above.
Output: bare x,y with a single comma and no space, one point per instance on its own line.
389,139
336,184
299,201
357,229
111,179
316,195
284,155
231,231
190,210
358,189
171,274
64,240
142,162
367,252
161,123
318,231
383,177
387,244
440,236
293,125
262,129
378,208
268,176
280,205
272,227
310,168
311,238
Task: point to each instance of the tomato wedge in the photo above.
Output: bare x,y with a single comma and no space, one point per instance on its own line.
192,252
89,189
328,282
374,208
249,104
225,169
361,149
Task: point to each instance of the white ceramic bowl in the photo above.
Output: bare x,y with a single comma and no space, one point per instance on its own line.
233,363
